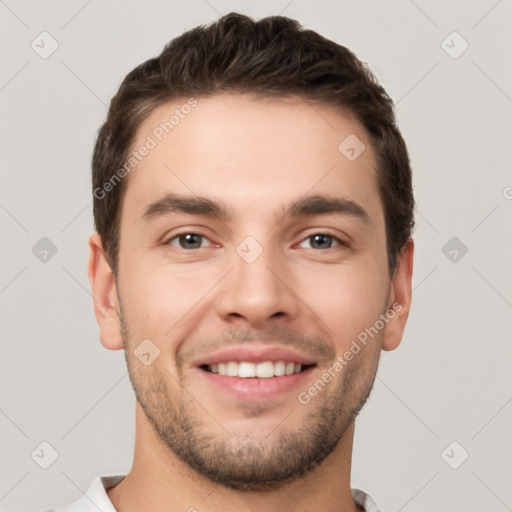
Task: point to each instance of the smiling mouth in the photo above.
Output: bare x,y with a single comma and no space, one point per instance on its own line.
261,370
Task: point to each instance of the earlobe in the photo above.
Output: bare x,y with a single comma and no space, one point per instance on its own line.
399,298
104,293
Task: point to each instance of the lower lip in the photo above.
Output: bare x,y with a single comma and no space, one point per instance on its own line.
253,388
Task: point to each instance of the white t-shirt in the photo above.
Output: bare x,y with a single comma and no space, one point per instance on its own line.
96,498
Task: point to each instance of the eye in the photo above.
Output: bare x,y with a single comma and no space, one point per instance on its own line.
187,241
322,241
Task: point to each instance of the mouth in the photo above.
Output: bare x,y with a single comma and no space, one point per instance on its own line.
262,370
253,373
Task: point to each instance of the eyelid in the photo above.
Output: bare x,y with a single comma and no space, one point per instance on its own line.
327,232
339,235
341,241
169,238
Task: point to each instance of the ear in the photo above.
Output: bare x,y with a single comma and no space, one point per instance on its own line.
399,296
104,293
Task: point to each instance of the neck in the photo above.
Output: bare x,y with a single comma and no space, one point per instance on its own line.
159,481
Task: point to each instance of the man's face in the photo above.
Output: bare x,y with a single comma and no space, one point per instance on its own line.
260,291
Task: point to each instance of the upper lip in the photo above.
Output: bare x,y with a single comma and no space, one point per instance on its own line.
254,354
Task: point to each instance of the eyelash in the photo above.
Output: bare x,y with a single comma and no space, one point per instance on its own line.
339,241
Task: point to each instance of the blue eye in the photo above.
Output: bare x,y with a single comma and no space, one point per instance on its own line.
322,241
188,241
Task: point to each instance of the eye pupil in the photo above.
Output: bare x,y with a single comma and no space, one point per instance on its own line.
322,240
190,241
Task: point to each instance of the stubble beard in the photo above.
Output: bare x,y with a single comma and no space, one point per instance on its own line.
242,460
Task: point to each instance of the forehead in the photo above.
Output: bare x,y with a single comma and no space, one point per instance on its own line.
251,153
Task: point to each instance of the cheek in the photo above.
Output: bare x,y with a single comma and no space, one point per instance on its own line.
159,297
346,300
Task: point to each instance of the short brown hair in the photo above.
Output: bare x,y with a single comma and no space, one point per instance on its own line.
274,56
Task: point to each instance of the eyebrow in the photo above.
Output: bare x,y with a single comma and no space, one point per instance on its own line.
302,207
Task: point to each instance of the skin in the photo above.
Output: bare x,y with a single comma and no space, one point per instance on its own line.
255,156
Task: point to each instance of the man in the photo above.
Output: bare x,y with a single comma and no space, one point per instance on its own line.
253,256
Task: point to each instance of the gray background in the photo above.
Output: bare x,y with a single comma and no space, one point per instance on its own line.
450,380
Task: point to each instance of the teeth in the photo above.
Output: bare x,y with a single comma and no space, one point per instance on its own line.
246,370
290,368
279,368
264,370
232,369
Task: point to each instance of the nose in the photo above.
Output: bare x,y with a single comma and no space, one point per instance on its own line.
258,292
